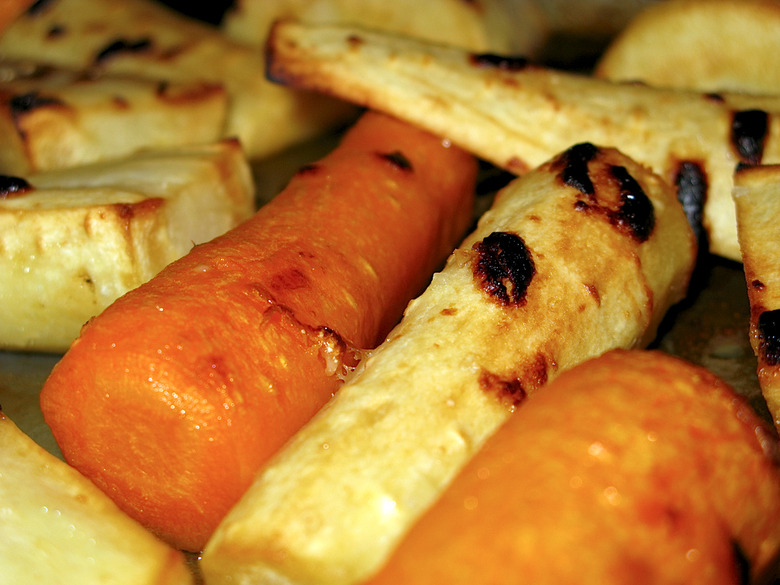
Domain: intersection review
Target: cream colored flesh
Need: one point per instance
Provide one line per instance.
(57, 527)
(336, 500)
(517, 116)
(81, 237)
(757, 199)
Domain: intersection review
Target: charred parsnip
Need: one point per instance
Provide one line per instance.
(580, 256)
(517, 115)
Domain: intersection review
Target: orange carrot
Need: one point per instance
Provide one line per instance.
(174, 396)
(635, 467)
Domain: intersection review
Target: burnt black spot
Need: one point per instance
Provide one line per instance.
(504, 267)
(398, 159)
(575, 167)
(122, 46)
(636, 212)
(757, 284)
(10, 186)
(715, 97)
(741, 564)
(502, 62)
(691, 183)
(29, 101)
(769, 336)
(748, 134)
(39, 7)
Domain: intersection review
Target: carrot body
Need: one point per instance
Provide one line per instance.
(631, 468)
(174, 396)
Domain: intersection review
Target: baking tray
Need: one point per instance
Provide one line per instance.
(709, 328)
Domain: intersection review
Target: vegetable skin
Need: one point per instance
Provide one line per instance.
(174, 396)
(635, 467)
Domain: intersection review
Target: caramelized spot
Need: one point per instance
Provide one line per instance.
(122, 46)
(398, 159)
(289, 280)
(636, 213)
(748, 135)
(509, 391)
(355, 42)
(121, 102)
(575, 167)
(758, 285)
(594, 292)
(714, 97)
(501, 62)
(449, 311)
(691, 183)
(55, 31)
(12, 186)
(504, 267)
(517, 165)
(769, 337)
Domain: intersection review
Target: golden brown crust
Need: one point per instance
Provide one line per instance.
(580, 256)
(142, 38)
(53, 118)
(709, 45)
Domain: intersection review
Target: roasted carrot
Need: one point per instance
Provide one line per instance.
(173, 397)
(634, 467)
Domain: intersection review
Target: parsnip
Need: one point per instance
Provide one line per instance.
(517, 115)
(53, 118)
(757, 199)
(580, 256)
(518, 26)
(73, 240)
(145, 39)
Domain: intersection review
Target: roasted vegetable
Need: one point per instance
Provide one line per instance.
(580, 256)
(72, 241)
(173, 397)
(517, 115)
(757, 199)
(635, 467)
(59, 528)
